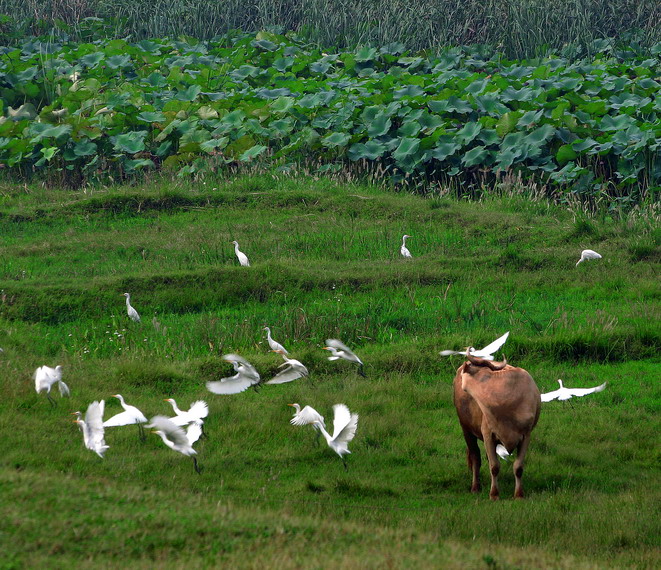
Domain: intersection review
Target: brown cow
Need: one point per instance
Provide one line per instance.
(496, 403)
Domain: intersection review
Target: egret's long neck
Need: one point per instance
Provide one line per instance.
(236, 247)
(128, 300)
(404, 241)
(560, 382)
(121, 400)
(176, 408)
(323, 430)
(166, 441)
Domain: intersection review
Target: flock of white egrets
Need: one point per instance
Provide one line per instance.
(171, 430)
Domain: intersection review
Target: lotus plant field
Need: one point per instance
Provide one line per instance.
(113, 108)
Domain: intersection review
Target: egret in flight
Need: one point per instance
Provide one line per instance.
(196, 413)
(176, 438)
(588, 254)
(92, 427)
(486, 352)
(133, 314)
(245, 376)
(563, 393)
(293, 369)
(275, 346)
(308, 415)
(405, 250)
(340, 350)
(130, 415)
(45, 377)
(344, 430)
(242, 257)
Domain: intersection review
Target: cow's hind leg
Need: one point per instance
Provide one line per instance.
(522, 448)
(474, 460)
(494, 464)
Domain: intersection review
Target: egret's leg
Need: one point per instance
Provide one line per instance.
(53, 403)
(346, 467)
(198, 469)
(204, 433)
(141, 432)
(361, 371)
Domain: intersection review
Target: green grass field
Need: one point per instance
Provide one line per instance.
(325, 263)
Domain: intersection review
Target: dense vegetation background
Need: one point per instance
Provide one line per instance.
(519, 28)
(130, 161)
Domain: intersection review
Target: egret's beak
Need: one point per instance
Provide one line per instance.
(292, 405)
(326, 347)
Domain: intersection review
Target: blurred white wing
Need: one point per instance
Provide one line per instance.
(231, 385)
(344, 425)
(173, 432)
(584, 391)
(121, 419)
(194, 432)
(306, 416)
(199, 409)
(337, 344)
(495, 345)
(290, 373)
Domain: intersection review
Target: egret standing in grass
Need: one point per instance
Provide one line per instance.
(242, 257)
(175, 437)
(92, 427)
(486, 353)
(45, 377)
(293, 369)
(246, 376)
(405, 250)
(340, 350)
(344, 430)
(563, 393)
(275, 346)
(133, 314)
(130, 415)
(588, 254)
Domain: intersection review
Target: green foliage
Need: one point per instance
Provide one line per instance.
(105, 110)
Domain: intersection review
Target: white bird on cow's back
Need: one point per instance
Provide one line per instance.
(242, 257)
(563, 393)
(292, 370)
(344, 430)
(588, 254)
(133, 314)
(405, 250)
(45, 377)
(340, 350)
(275, 346)
(487, 352)
(246, 376)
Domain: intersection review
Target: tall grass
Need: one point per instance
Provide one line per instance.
(521, 28)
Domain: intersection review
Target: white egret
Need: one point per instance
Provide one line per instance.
(308, 415)
(340, 350)
(344, 430)
(588, 254)
(242, 257)
(92, 427)
(305, 416)
(175, 437)
(405, 250)
(501, 450)
(133, 314)
(293, 370)
(245, 376)
(275, 346)
(563, 393)
(196, 413)
(486, 352)
(45, 377)
(130, 415)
